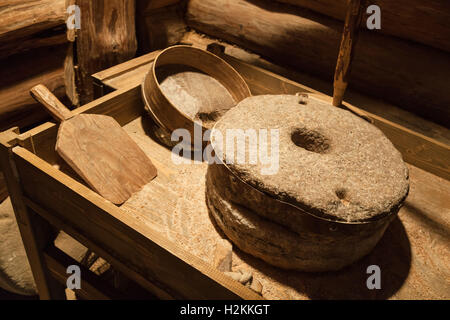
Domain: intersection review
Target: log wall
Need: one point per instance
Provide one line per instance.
(425, 22)
(412, 76)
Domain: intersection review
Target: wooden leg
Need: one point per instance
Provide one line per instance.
(36, 232)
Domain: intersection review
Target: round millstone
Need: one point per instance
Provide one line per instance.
(338, 182)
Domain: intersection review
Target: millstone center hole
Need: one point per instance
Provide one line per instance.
(310, 140)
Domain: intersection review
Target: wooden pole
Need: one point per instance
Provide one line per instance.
(349, 38)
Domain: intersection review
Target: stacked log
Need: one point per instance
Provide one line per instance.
(30, 24)
(32, 51)
(425, 22)
(35, 48)
(413, 76)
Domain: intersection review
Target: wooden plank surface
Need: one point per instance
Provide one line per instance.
(126, 239)
(98, 149)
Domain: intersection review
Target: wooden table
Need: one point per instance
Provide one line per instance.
(46, 194)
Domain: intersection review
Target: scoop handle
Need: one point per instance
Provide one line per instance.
(56, 109)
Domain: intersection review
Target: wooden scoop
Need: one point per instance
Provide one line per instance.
(99, 150)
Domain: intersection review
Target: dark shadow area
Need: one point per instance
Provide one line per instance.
(392, 254)
(163, 138)
(8, 296)
(154, 132)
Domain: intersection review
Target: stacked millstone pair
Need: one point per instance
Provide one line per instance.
(339, 183)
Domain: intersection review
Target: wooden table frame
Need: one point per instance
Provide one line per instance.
(44, 197)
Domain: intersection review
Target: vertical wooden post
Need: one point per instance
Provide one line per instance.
(107, 36)
(36, 233)
(346, 52)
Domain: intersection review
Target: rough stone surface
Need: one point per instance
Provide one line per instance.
(332, 163)
(339, 182)
(223, 255)
(256, 286)
(282, 247)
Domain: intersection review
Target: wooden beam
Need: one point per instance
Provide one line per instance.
(29, 24)
(346, 51)
(18, 74)
(160, 28)
(145, 6)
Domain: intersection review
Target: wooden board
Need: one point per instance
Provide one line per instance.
(30, 24)
(98, 149)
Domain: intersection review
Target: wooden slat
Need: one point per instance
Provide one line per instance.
(133, 244)
(130, 72)
(92, 287)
